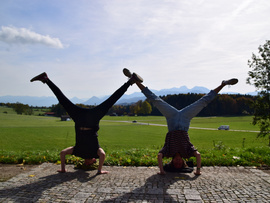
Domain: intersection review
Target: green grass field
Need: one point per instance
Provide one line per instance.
(29, 136)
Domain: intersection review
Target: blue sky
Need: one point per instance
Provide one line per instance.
(84, 45)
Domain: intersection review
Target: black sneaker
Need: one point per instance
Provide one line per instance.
(127, 72)
(41, 77)
(232, 81)
(134, 77)
(137, 77)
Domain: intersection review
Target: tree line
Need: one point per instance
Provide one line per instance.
(222, 105)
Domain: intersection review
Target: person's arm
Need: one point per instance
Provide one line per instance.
(198, 160)
(63, 154)
(160, 164)
(102, 157)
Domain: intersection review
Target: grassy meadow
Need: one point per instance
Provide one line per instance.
(36, 139)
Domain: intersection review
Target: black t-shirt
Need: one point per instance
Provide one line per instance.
(87, 144)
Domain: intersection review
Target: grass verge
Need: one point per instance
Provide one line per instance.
(217, 156)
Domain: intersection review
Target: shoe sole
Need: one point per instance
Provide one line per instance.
(36, 78)
(232, 81)
(127, 72)
(137, 77)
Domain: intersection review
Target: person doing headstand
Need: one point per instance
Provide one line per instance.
(177, 141)
(86, 122)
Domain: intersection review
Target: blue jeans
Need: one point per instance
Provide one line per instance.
(179, 119)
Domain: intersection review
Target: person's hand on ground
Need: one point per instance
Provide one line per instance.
(102, 172)
(161, 173)
(62, 171)
(197, 173)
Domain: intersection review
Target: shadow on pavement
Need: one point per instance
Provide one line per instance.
(32, 191)
(156, 187)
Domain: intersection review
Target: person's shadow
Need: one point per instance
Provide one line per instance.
(156, 187)
(31, 192)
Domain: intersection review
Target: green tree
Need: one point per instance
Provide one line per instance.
(138, 107)
(135, 108)
(20, 108)
(58, 109)
(243, 105)
(146, 108)
(259, 76)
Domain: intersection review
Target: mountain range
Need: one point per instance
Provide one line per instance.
(124, 100)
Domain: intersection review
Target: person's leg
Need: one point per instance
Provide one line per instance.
(104, 107)
(192, 110)
(63, 100)
(232, 81)
(166, 109)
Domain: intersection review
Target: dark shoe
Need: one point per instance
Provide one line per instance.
(232, 81)
(42, 77)
(135, 78)
(127, 72)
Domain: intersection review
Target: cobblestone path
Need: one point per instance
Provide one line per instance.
(137, 184)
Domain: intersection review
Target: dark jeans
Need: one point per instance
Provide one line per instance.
(87, 120)
(86, 117)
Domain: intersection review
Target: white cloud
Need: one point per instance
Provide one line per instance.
(13, 35)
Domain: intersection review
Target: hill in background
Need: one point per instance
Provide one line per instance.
(125, 99)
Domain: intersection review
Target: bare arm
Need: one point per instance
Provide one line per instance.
(160, 164)
(63, 154)
(198, 160)
(102, 157)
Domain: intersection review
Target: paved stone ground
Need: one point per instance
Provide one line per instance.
(137, 184)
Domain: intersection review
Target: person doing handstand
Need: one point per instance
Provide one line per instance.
(177, 142)
(86, 122)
